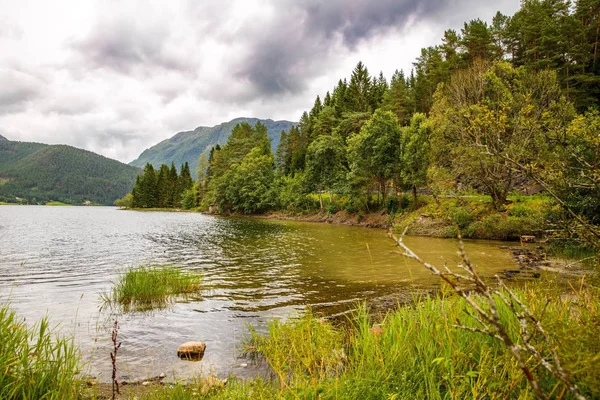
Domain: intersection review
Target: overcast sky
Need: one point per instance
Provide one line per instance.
(116, 77)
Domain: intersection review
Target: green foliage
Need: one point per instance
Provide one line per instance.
(34, 363)
(188, 146)
(165, 188)
(374, 153)
(486, 120)
(325, 164)
(417, 352)
(125, 202)
(242, 172)
(189, 198)
(62, 173)
(150, 287)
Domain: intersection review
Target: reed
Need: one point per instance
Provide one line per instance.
(148, 287)
(34, 362)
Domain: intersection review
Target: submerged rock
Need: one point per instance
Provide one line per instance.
(193, 351)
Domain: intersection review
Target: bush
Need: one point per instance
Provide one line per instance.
(331, 209)
(462, 216)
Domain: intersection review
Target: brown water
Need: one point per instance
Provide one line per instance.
(56, 260)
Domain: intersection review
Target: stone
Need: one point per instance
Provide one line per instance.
(192, 351)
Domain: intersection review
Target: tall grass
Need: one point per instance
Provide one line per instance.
(148, 287)
(418, 353)
(34, 363)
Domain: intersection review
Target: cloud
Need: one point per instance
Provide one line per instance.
(118, 77)
(18, 89)
(124, 44)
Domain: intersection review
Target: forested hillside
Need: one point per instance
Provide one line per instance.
(37, 173)
(3, 138)
(187, 146)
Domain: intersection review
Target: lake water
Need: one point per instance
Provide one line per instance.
(55, 261)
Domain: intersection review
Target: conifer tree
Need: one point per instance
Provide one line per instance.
(359, 92)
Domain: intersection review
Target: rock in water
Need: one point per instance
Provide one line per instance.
(193, 351)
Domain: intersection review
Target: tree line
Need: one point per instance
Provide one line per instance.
(488, 108)
(162, 188)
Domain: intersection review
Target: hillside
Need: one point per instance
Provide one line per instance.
(187, 146)
(40, 172)
(3, 138)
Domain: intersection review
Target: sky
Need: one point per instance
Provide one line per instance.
(117, 77)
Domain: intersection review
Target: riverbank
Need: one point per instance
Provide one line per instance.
(416, 351)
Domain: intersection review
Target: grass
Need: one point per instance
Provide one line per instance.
(34, 363)
(148, 287)
(415, 353)
(57, 203)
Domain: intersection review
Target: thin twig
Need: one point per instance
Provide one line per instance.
(490, 321)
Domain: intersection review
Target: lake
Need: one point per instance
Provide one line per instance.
(56, 261)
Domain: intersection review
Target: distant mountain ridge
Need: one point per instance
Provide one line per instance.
(58, 172)
(187, 146)
(3, 138)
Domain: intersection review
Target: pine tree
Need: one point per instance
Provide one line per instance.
(163, 186)
(172, 195)
(359, 92)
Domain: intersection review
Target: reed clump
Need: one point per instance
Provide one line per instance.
(148, 287)
(35, 363)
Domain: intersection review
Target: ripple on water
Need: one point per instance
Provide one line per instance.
(56, 260)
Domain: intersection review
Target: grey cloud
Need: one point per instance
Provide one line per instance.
(122, 45)
(298, 45)
(18, 89)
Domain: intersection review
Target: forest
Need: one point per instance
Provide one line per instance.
(36, 173)
(502, 109)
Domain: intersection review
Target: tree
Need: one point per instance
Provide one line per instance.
(247, 185)
(173, 193)
(146, 190)
(374, 153)
(415, 153)
(202, 177)
(281, 155)
(359, 92)
(325, 168)
(398, 98)
(487, 115)
(163, 186)
(325, 122)
(125, 202)
(233, 185)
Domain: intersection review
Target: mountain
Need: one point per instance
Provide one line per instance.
(40, 172)
(187, 146)
(2, 138)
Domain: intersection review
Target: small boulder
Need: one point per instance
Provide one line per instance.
(193, 351)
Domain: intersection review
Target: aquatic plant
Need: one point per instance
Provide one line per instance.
(148, 287)
(35, 363)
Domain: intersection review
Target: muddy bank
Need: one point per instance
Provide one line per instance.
(367, 220)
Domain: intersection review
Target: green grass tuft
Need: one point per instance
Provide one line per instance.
(34, 364)
(150, 287)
